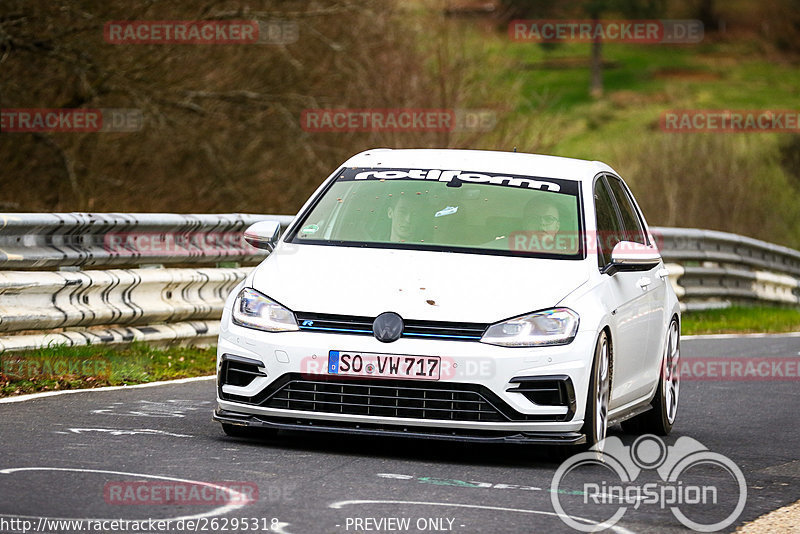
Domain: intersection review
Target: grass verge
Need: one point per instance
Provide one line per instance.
(60, 368)
(741, 319)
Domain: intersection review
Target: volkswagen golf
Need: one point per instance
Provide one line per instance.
(455, 294)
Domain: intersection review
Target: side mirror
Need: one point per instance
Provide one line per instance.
(632, 256)
(263, 234)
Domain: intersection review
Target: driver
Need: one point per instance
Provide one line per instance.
(407, 215)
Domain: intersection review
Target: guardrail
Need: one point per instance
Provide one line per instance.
(90, 299)
(711, 269)
(82, 278)
(58, 240)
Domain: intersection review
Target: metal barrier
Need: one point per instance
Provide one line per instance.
(58, 240)
(711, 269)
(104, 303)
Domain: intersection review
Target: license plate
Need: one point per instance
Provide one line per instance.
(383, 365)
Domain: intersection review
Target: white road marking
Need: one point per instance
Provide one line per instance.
(280, 528)
(221, 510)
(145, 408)
(459, 483)
(126, 432)
(341, 504)
(31, 396)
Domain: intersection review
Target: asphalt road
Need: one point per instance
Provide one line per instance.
(65, 456)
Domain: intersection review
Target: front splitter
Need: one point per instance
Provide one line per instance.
(404, 431)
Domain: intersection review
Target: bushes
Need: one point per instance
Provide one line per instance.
(222, 122)
(730, 182)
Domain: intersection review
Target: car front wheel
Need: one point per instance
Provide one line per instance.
(661, 417)
(596, 418)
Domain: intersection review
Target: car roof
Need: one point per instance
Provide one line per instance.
(480, 161)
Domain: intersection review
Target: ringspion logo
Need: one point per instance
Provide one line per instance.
(616, 478)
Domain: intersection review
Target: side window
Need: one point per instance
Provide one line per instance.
(608, 227)
(631, 226)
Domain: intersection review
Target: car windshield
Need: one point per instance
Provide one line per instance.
(447, 210)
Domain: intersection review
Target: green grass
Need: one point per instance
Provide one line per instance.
(59, 368)
(551, 85)
(542, 100)
(740, 319)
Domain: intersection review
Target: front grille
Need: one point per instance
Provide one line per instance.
(444, 330)
(388, 398)
(347, 324)
(384, 401)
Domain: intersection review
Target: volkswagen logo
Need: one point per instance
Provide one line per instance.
(388, 327)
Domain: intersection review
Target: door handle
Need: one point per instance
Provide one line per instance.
(643, 282)
(663, 273)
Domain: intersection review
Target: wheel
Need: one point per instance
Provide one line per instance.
(596, 418)
(660, 419)
(239, 431)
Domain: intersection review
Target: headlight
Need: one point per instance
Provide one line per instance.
(254, 310)
(550, 327)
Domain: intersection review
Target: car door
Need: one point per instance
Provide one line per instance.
(627, 301)
(651, 285)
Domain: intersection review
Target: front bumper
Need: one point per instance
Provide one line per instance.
(480, 367)
(394, 430)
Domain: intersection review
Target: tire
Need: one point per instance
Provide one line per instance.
(660, 419)
(596, 417)
(239, 431)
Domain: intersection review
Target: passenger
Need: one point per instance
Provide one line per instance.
(539, 215)
(541, 223)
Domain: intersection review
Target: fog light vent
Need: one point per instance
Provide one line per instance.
(238, 370)
(553, 390)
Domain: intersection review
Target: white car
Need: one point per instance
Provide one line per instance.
(455, 294)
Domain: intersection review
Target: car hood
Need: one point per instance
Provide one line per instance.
(421, 285)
